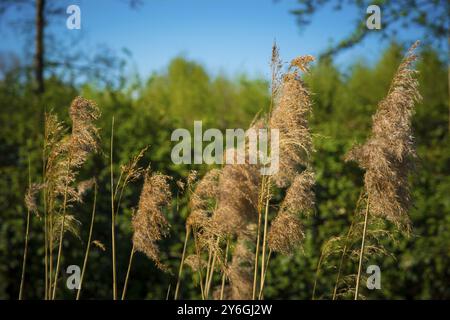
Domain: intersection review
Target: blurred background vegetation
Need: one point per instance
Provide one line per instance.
(147, 111)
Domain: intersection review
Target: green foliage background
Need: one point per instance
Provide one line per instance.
(147, 112)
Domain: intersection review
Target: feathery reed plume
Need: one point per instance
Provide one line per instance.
(85, 186)
(202, 203)
(203, 199)
(82, 141)
(388, 155)
(63, 156)
(286, 231)
(238, 201)
(129, 172)
(238, 198)
(290, 117)
(276, 75)
(149, 222)
(300, 195)
(85, 136)
(195, 262)
(31, 197)
(241, 270)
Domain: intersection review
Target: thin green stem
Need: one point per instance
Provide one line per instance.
(258, 236)
(46, 237)
(27, 231)
(344, 251)
(168, 291)
(180, 270)
(211, 271)
(319, 264)
(61, 233)
(222, 287)
(88, 246)
(124, 291)
(200, 267)
(266, 218)
(113, 218)
(208, 267)
(361, 254)
(261, 290)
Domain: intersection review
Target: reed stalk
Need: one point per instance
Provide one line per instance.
(361, 254)
(319, 264)
(200, 273)
(124, 291)
(258, 236)
(222, 287)
(88, 246)
(261, 290)
(266, 218)
(113, 218)
(61, 234)
(46, 257)
(168, 291)
(211, 271)
(208, 268)
(344, 251)
(180, 270)
(27, 231)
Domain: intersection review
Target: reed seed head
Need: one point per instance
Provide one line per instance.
(149, 223)
(286, 233)
(290, 117)
(389, 153)
(31, 198)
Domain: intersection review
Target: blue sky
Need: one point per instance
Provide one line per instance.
(227, 36)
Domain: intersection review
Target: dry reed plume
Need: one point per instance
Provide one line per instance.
(290, 116)
(149, 223)
(240, 270)
(388, 155)
(63, 156)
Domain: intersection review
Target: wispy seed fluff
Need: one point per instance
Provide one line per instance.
(290, 117)
(85, 137)
(239, 187)
(203, 199)
(286, 231)
(240, 271)
(202, 205)
(149, 223)
(66, 154)
(31, 198)
(388, 155)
